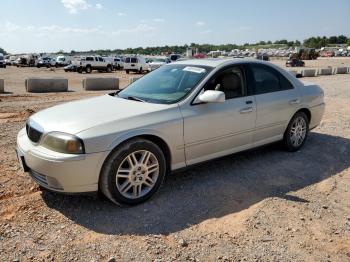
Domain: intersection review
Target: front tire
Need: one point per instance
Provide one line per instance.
(133, 172)
(296, 132)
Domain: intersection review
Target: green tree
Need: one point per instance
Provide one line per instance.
(2, 51)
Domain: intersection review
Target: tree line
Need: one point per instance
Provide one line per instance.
(312, 42)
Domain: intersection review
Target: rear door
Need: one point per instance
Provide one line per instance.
(133, 63)
(101, 62)
(276, 101)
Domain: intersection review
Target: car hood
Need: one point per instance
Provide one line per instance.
(77, 116)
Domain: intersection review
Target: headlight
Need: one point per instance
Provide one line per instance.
(63, 143)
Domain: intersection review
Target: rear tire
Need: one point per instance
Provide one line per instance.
(133, 172)
(296, 132)
(127, 71)
(88, 70)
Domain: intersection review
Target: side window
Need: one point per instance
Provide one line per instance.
(100, 59)
(285, 84)
(267, 80)
(230, 81)
(89, 58)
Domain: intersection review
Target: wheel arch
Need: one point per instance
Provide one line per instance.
(155, 138)
(306, 111)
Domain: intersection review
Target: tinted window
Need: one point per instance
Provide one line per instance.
(284, 82)
(133, 60)
(89, 58)
(268, 80)
(100, 59)
(127, 60)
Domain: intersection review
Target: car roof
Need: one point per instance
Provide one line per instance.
(215, 62)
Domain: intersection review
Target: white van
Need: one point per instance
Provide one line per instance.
(135, 64)
(62, 60)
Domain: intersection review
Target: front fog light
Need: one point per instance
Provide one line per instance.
(63, 143)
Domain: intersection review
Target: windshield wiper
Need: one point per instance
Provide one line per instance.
(135, 98)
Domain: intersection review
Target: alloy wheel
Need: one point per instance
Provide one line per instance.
(298, 131)
(137, 174)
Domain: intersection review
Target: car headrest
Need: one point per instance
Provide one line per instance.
(231, 81)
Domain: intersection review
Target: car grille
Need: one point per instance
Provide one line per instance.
(33, 134)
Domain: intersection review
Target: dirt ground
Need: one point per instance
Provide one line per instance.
(261, 205)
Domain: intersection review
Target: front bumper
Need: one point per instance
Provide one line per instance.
(60, 172)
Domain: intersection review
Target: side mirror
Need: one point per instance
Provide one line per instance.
(212, 96)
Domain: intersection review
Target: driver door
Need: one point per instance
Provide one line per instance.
(216, 129)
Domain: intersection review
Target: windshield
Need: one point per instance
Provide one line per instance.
(158, 60)
(166, 85)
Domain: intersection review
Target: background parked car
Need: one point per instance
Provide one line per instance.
(89, 63)
(157, 62)
(295, 62)
(62, 60)
(70, 68)
(29, 60)
(118, 63)
(174, 57)
(263, 57)
(135, 64)
(45, 62)
(2, 61)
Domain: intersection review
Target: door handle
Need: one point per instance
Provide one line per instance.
(294, 101)
(246, 110)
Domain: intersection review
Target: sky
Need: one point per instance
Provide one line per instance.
(82, 25)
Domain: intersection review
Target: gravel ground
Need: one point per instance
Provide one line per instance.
(260, 205)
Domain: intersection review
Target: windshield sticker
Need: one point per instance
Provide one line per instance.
(192, 69)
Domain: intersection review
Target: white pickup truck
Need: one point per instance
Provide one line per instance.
(89, 63)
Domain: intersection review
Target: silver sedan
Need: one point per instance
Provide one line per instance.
(181, 114)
